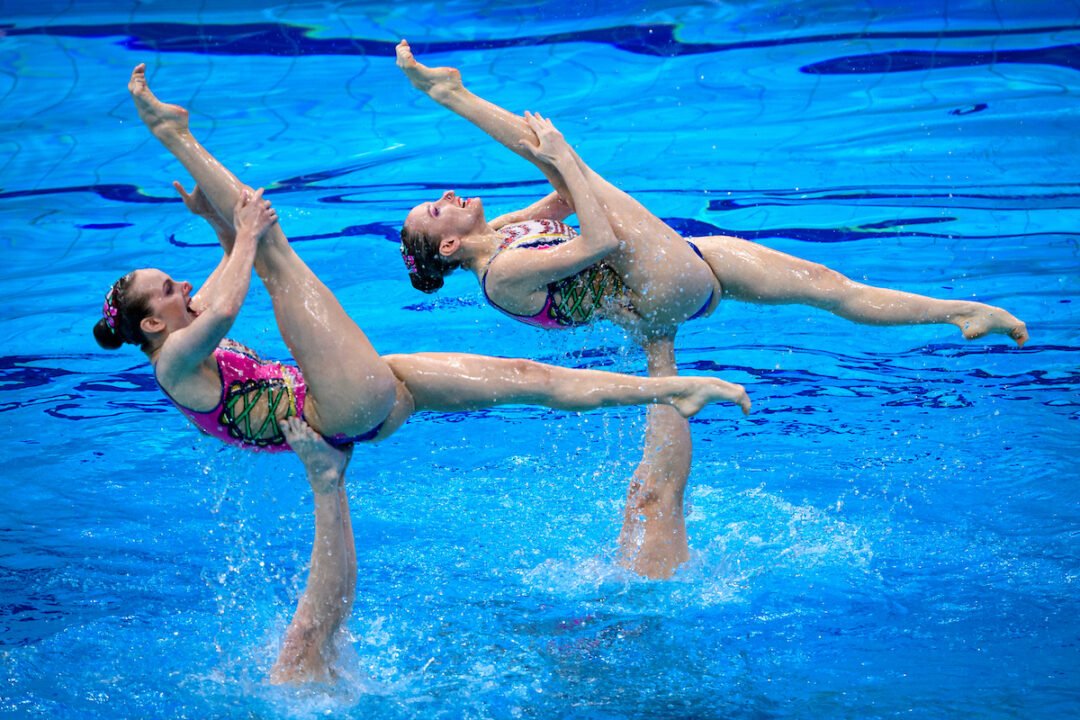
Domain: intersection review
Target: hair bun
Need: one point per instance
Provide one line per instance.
(106, 336)
(425, 283)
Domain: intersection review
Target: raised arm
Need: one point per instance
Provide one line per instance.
(186, 348)
(552, 207)
(200, 206)
(597, 239)
(307, 653)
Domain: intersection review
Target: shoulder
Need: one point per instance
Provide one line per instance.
(189, 385)
(176, 363)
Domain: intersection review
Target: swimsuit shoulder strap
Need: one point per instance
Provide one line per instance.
(510, 235)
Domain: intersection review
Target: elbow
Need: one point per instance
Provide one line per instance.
(229, 309)
(609, 242)
(222, 313)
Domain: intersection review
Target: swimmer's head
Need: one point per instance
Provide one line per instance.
(428, 238)
(140, 305)
(426, 266)
(121, 315)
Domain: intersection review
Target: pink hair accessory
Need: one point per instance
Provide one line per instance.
(410, 261)
(108, 309)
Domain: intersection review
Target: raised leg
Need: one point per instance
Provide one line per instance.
(307, 652)
(754, 273)
(653, 539)
(668, 280)
(444, 86)
(455, 382)
(350, 388)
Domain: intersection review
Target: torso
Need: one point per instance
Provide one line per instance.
(255, 395)
(570, 302)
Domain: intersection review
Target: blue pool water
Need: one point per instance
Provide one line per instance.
(893, 532)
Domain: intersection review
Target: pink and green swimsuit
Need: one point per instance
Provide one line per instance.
(247, 379)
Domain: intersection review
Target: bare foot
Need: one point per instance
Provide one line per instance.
(325, 464)
(705, 390)
(985, 319)
(161, 118)
(436, 82)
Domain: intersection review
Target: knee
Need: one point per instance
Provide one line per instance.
(653, 499)
(832, 288)
(531, 373)
(643, 499)
(823, 276)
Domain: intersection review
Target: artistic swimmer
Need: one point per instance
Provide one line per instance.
(341, 386)
(628, 266)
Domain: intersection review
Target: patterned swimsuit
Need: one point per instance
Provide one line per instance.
(570, 302)
(256, 394)
(575, 300)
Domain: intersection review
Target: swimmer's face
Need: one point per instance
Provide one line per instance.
(449, 216)
(168, 299)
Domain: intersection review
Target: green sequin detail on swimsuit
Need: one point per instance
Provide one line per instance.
(581, 296)
(242, 398)
(571, 301)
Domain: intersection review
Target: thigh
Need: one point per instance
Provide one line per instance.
(456, 382)
(667, 280)
(350, 387)
(754, 273)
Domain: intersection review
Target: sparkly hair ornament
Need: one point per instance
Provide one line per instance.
(410, 260)
(109, 310)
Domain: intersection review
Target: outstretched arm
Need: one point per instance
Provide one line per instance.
(187, 347)
(308, 649)
(552, 207)
(200, 206)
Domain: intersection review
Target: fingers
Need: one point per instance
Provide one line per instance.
(529, 147)
(263, 203)
(537, 121)
(184, 194)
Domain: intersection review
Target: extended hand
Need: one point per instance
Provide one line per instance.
(551, 145)
(196, 201)
(253, 214)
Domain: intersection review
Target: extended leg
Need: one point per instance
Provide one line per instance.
(653, 539)
(455, 382)
(669, 281)
(308, 649)
(443, 85)
(754, 273)
(350, 388)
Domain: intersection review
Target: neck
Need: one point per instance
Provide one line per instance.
(152, 354)
(154, 348)
(481, 248)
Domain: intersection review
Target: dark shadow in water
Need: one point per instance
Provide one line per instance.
(284, 40)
